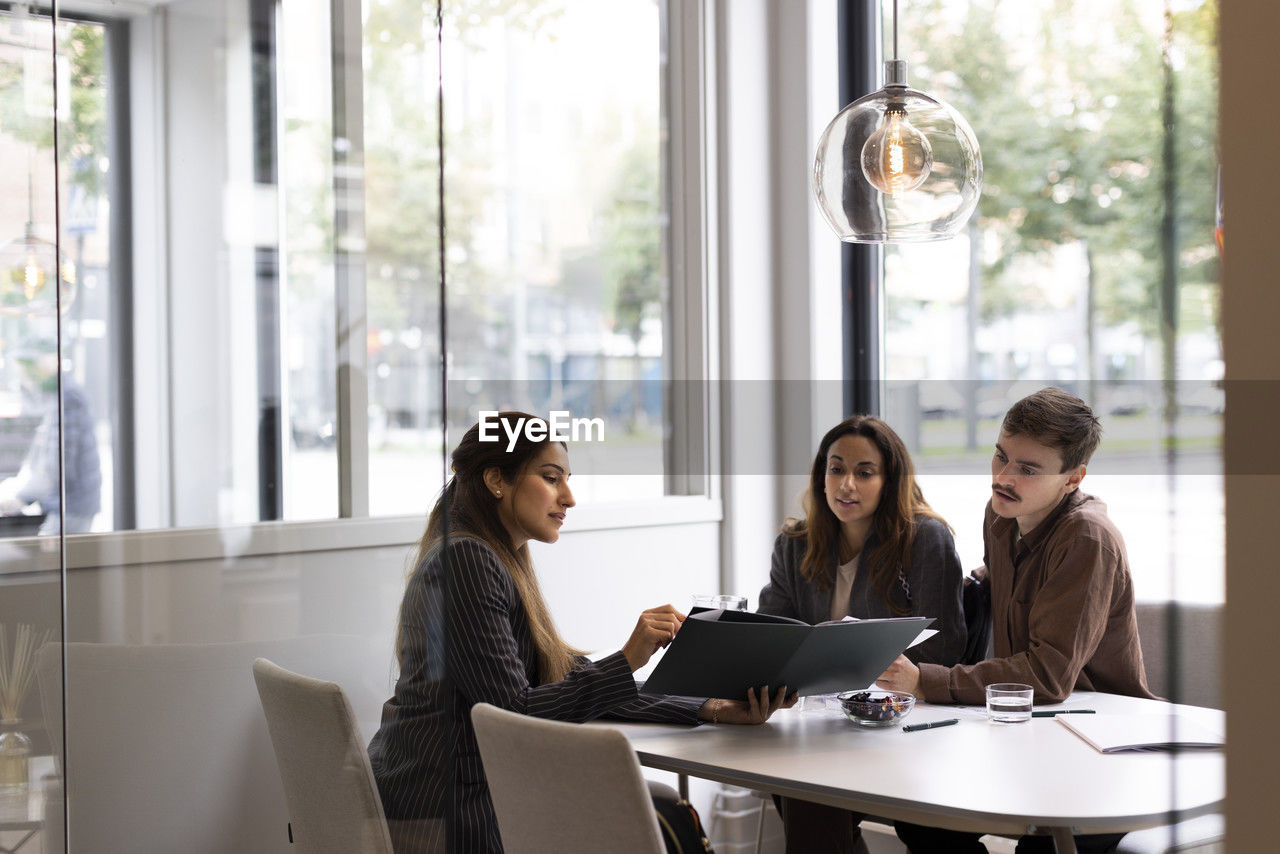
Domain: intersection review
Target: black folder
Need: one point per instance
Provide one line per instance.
(725, 653)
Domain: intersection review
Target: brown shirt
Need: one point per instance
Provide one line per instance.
(1061, 611)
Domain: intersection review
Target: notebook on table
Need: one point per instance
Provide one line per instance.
(1163, 732)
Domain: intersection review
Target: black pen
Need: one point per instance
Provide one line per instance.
(1048, 713)
(916, 727)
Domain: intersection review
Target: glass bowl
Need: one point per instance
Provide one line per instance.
(876, 708)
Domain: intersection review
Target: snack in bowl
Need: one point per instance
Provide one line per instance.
(876, 708)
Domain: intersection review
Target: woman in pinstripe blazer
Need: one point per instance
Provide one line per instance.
(474, 628)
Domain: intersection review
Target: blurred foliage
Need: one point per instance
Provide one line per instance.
(633, 242)
(620, 273)
(83, 133)
(1066, 107)
(401, 169)
(402, 166)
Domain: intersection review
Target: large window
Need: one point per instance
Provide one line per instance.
(556, 258)
(1091, 264)
(252, 236)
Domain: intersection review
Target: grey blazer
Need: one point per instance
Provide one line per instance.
(933, 585)
(477, 649)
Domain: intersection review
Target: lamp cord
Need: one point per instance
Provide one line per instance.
(31, 196)
(895, 30)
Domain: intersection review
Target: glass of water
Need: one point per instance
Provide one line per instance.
(1009, 702)
(721, 601)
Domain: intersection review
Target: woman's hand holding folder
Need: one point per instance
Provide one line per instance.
(756, 709)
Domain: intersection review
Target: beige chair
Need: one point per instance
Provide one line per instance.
(334, 807)
(1186, 668)
(166, 748)
(561, 787)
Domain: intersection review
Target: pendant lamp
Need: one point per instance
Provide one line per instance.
(27, 267)
(898, 165)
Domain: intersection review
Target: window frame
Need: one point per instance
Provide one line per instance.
(861, 264)
(691, 331)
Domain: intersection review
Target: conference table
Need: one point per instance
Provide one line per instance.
(1010, 779)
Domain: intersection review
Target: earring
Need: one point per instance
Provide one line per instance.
(498, 494)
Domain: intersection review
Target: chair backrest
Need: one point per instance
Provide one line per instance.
(334, 807)
(166, 747)
(1189, 670)
(560, 787)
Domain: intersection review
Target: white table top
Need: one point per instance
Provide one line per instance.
(976, 775)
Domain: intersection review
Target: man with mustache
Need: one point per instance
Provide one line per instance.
(1061, 594)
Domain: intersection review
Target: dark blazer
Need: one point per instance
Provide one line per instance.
(929, 587)
(477, 649)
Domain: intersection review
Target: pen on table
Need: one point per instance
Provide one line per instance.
(1048, 713)
(931, 725)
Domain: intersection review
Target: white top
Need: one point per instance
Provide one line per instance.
(844, 586)
(975, 775)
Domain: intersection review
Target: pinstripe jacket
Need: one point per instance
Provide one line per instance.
(469, 647)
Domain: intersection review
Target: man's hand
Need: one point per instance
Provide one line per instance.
(902, 675)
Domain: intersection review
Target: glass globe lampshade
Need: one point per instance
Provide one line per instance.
(27, 269)
(897, 166)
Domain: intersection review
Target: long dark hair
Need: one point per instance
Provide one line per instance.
(466, 507)
(893, 525)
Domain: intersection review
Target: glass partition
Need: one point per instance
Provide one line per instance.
(259, 260)
(229, 293)
(43, 294)
(1091, 264)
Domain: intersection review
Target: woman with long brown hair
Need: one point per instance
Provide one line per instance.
(869, 546)
(474, 627)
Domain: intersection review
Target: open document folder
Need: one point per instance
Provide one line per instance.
(725, 653)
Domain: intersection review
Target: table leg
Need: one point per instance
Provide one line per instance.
(1063, 841)
(682, 782)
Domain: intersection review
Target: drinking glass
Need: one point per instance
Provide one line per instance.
(1009, 702)
(721, 601)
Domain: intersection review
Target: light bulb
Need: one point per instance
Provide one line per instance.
(32, 277)
(897, 157)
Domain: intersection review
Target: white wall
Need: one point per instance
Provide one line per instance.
(254, 590)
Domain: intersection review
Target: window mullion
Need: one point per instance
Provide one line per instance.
(348, 256)
(688, 241)
(862, 267)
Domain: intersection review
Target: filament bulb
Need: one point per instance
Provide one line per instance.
(897, 157)
(32, 277)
